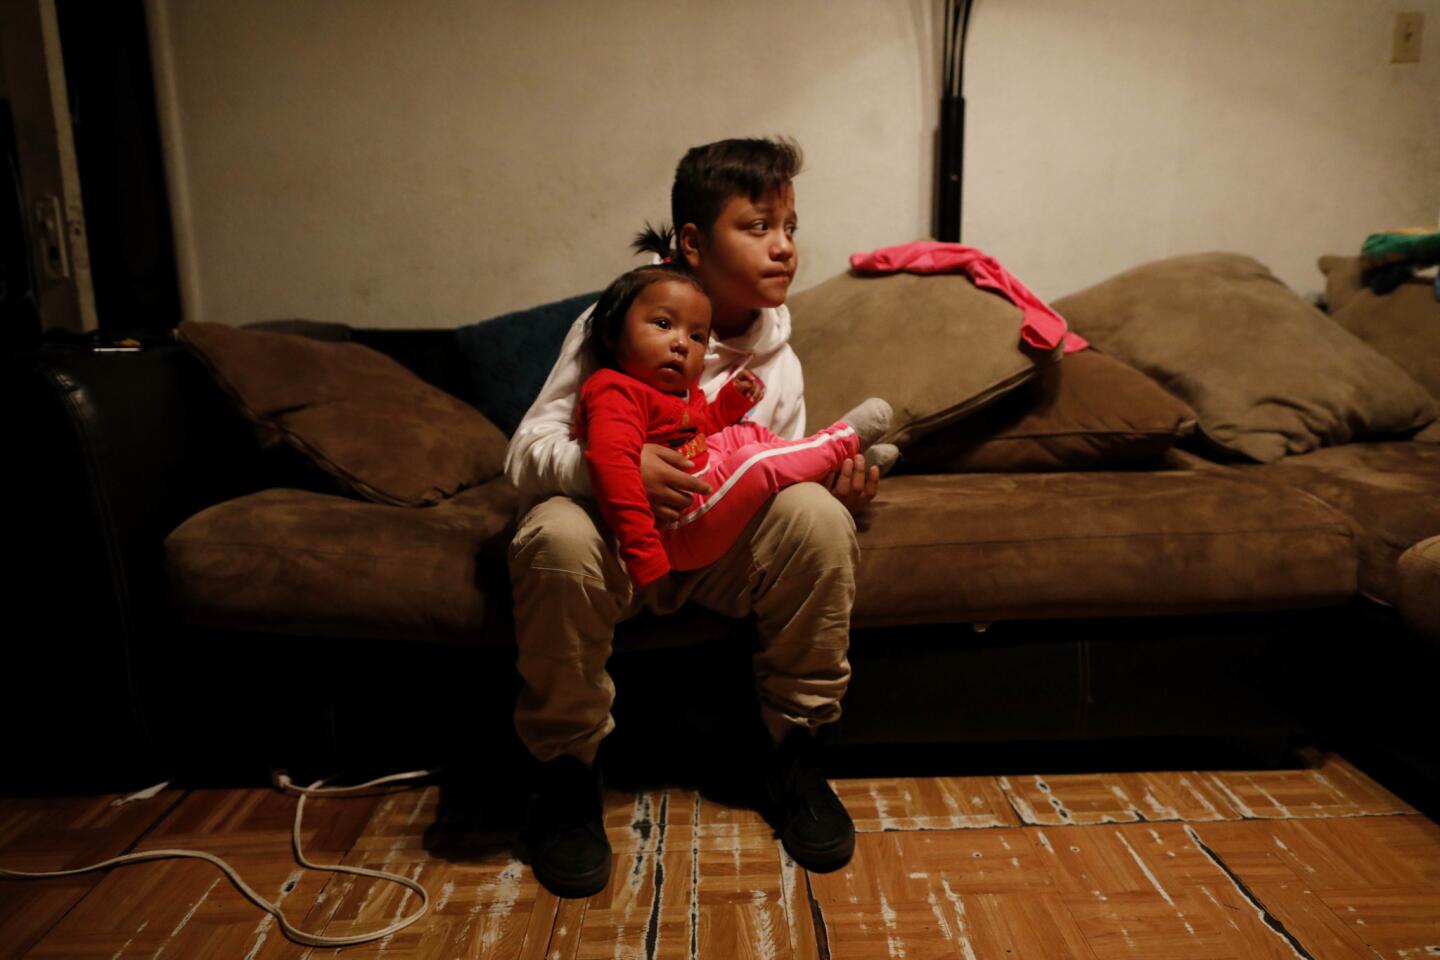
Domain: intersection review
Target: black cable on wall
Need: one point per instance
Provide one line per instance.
(950, 175)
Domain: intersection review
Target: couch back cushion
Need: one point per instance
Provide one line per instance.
(1089, 412)
(510, 356)
(1268, 374)
(1403, 324)
(377, 428)
(1344, 278)
(935, 347)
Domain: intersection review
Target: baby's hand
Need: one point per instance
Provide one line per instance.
(750, 385)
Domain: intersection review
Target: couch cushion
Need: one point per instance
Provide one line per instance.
(1344, 278)
(934, 346)
(510, 356)
(366, 420)
(981, 547)
(293, 561)
(1419, 589)
(1268, 374)
(312, 564)
(1087, 412)
(1403, 324)
(1391, 491)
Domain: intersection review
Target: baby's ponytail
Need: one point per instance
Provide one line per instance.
(657, 240)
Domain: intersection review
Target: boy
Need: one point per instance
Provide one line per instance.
(733, 207)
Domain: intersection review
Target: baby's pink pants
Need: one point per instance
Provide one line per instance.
(748, 465)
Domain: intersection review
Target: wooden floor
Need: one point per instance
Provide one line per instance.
(1318, 862)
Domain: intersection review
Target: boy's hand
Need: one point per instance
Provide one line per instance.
(750, 385)
(853, 485)
(667, 485)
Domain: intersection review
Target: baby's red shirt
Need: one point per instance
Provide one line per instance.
(617, 415)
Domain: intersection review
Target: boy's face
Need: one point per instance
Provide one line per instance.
(749, 258)
(664, 337)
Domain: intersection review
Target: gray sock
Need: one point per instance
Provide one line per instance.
(871, 420)
(882, 455)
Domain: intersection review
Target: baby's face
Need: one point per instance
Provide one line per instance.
(666, 332)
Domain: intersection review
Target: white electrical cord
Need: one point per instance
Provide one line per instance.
(284, 782)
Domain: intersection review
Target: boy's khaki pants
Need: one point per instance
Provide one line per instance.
(793, 568)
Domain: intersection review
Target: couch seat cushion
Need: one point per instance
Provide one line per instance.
(1419, 589)
(1391, 491)
(298, 562)
(982, 547)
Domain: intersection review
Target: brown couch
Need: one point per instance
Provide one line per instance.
(1167, 597)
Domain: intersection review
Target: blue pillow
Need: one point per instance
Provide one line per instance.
(510, 356)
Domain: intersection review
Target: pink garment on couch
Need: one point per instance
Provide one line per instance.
(1040, 326)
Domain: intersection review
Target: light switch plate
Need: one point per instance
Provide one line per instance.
(1409, 31)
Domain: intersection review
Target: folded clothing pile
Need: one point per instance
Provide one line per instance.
(1392, 257)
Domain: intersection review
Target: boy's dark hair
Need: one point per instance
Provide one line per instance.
(608, 318)
(707, 177)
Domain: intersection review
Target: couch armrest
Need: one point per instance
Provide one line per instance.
(113, 451)
(120, 448)
(127, 445)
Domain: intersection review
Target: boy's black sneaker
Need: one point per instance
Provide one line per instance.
(813, 825)
(565, 833)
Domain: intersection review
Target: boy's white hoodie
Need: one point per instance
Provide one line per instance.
(545, 458)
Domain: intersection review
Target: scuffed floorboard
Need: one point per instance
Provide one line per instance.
(1317, 863)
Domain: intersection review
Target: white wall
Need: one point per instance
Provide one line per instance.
(1106, 133)
(433, 162)
(429, 163)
